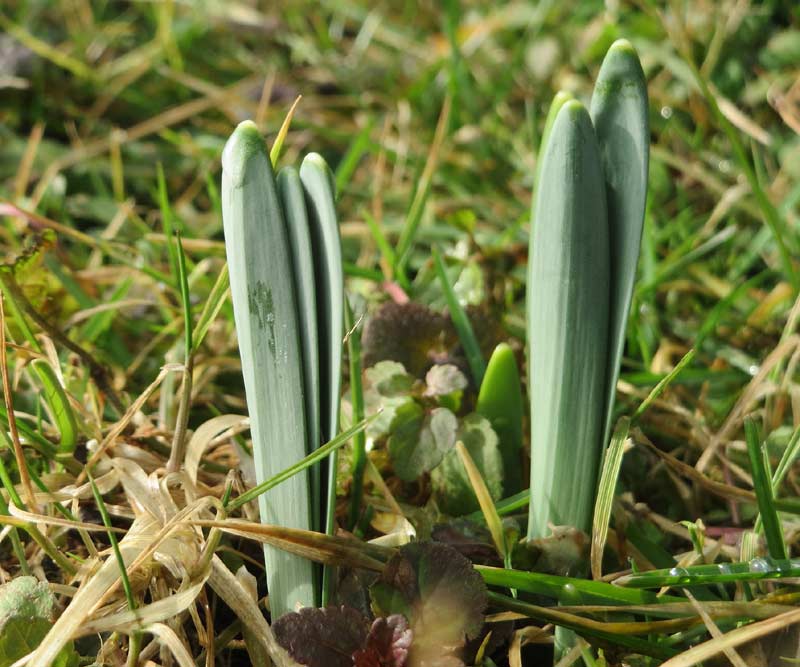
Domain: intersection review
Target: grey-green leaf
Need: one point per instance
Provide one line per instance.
(443, 379)
(419, 441)
(389, 378)
(290, 191)
(619, 112)
(567, 318)
(318, 184)
(27, 597)
(452, 488)
(317, 181)
(265, 310)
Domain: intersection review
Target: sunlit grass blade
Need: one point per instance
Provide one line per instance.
(417, 208)
(787, 459)
(463, 327)
(57, 400)
(290, 191)
(553, 586)
(386, 250)
(656, 391)
(318, 184)
(762, 484)
(358, 147)
(500, 401)
(756, 569)
(490, 514)
(567, 316)
(212, 306)
(277, 145)
(612, 461)
(262, 290)
(506, 506)
(178, 452)
(314, 457)
(620, 633)
(359, 453)
(619, 111)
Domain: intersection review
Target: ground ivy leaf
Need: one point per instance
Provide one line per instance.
(389, 378)
(382, 424)
(409, 333)
(327, 637)
(420, 440)
(387, 644)
(451, 486)
(440, 593)
(22, 635)
(26, 597)
(444, 379)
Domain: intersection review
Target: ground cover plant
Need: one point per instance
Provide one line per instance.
(177, 319)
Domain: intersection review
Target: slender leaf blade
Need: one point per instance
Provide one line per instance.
(290, 191)
(265, 312)
(318, 183)
(567, 319)
(58, 402)
(619, 111)
(763, 488)
(463, 327)
(605, 494)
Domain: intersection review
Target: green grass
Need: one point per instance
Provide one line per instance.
(112, 122)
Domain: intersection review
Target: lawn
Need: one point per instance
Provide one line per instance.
(137, 506)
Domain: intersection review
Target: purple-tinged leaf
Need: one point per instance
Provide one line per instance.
(387, 644)
(325, 637)
(440, 593)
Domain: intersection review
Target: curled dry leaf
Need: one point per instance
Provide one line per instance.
(203, 437)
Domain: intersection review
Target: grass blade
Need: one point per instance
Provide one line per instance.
(762, 485)
(490, 514)
(277, 145)
(309, 460)
(359, 456)
(461, 323)
(500, 401)
(619, 112)
(553, 586)
(567, 323)
(57, 400)
(417, 207)
(265, 312)
(214, 302)
(757, 569)
(605, 494)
